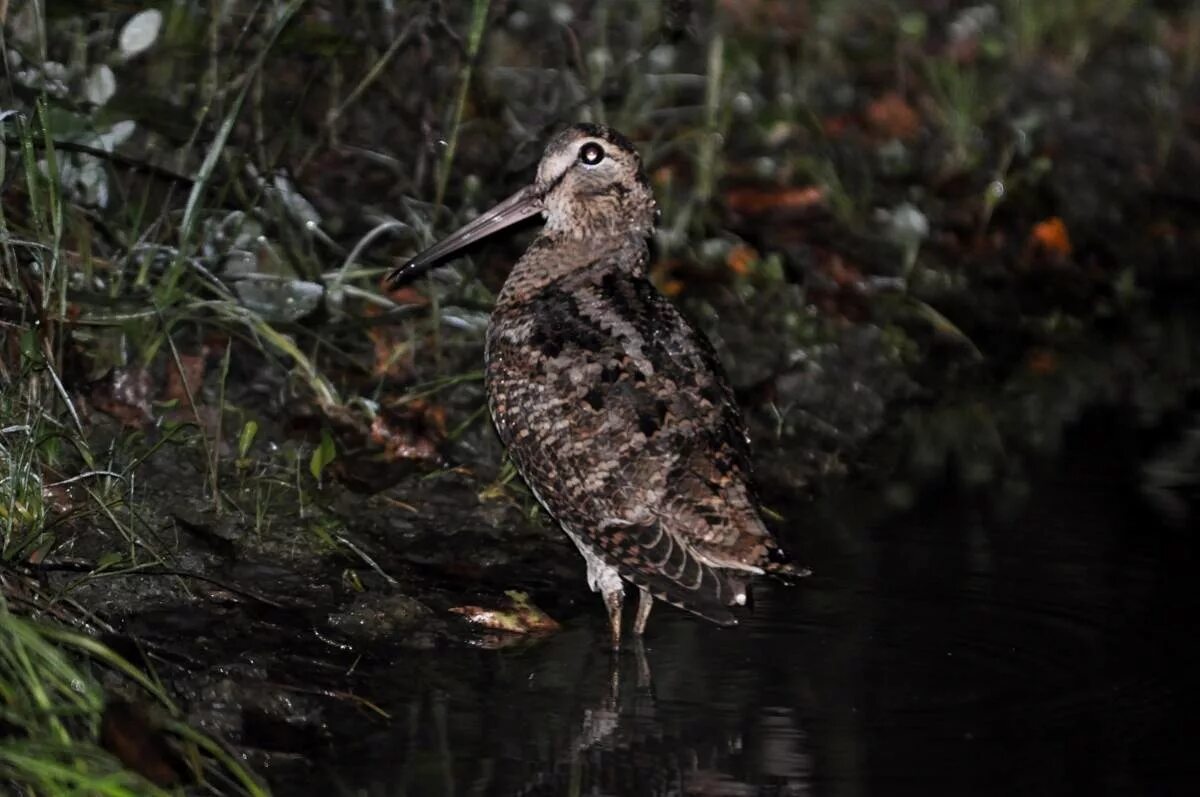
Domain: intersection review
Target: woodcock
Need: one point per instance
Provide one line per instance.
(615, 410)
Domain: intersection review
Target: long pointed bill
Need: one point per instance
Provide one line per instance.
(521, 205)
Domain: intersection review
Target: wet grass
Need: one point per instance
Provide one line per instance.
(64, 732)
(914, 206)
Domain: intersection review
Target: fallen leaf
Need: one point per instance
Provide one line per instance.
(843, 274)
(740, 259)
(393, 349)
(127, 732)
(125, 395)
(519, 616)
(433, 415)
(662, 274)
(1050, 236)
(58, 499)
(759, 201)
(410, 431)
(892, 116)
(193, 368)
(672, 287)
(1042, 362)
(406, 295)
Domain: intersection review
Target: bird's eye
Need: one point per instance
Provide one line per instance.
(591, 153)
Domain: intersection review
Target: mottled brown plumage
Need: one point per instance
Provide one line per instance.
(616, 410)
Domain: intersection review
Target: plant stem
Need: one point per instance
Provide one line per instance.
(479, 12)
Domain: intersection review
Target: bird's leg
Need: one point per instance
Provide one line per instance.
(614, 681)
(613, 600)
(645, 604)
(643, 664)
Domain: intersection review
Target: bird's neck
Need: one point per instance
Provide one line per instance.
(609, 211)
(555, 255)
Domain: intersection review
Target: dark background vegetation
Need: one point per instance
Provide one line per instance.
(927, 239)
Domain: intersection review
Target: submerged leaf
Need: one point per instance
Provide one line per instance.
(518, 617)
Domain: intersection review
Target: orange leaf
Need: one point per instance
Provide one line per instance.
(432, 414)
(406, 294)
(393, 350)
(411, 431)
(740, 259)
(892, 116)
(842, 273)
(1051, 237)
(756, 201)
(662, 273)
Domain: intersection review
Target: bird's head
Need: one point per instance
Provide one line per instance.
(590, 183)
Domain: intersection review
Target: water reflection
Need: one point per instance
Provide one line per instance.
(631, 741)
(946, 653)
(569, 718)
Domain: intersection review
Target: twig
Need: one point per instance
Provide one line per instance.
(114, 157)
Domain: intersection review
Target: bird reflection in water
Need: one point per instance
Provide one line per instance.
(626, 740)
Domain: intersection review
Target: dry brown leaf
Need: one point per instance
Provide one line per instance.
(759, 201)
(892, 116)
(409, 432)
(662, 274)
(1042, 362)
(406, 295)
(194, 366)
(663, 174)
(845, 275)
(393, 350)
(125, 395)
(127, 732)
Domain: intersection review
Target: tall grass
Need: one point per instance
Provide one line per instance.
(52, 707)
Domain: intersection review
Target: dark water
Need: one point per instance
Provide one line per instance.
(945, 652)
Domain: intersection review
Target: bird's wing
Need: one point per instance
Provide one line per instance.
(620, 417)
